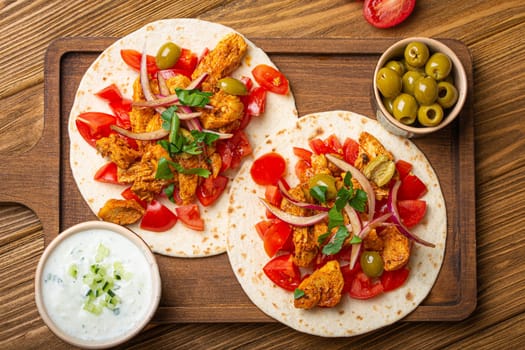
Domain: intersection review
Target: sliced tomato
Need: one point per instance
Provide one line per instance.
(107, 173)
(262, 226)
(277, 237)
(301, 167)
(210, 189)
(187, 60)
(403, 168)
(129, 194)
(319, 146)
(190, 216)
(411, 211)
(349, 275)
(363, 287)
(273, 195)
(334, 144)
(387, 13)
(158, 217)
(133, 58)
(119, 105)
(411, 188)
(255, 101)
(268, 169)
(283, 272)
(394, 279)
(271, 79)
(93, 126)
(233, 150)
(350, 150)
(302, 153)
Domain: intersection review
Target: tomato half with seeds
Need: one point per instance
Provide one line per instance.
(158, 217)
(283, 272)
(387, 13)
(210, 189)
(190, 216)
(268, 169)
(271, 79)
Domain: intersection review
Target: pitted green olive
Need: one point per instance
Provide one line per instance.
(430, 115)
(396, 66)
(416, 54)
(425, 90)
(438, 66)
(405, 108)
(447, 94)
(388, 82)
(409, 81)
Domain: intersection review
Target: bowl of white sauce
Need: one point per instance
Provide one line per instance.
(97, 285)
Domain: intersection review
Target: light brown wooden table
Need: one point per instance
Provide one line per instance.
(494, 32)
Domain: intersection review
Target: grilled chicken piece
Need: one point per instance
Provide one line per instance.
(396, 251)
(220, 62)
(226, 115)
(188, 182)
(369, 148)
(117, 149)
(121, 211)
(322, 288)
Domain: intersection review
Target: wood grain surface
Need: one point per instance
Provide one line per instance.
(494, 33)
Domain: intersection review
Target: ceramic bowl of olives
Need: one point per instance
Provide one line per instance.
(419, 87)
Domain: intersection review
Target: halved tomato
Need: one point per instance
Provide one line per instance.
(268, 169)
(387, 13)
(158, 218)
(283, 272)
(190, 216)
(271, 79)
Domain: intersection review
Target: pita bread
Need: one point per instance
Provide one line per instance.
(350, 317)
(108, 68)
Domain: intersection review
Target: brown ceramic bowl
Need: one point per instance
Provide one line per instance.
(62, 289)
(460, 81)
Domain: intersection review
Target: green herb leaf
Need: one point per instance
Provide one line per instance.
(355, 240)
(335, 246)
(319, 193)
(298, 293)
(359, 200)
(322, 238)
(169, 191)
(193, 98)
(173, 136)
(163, 170)
(166, 117)
(335, 218)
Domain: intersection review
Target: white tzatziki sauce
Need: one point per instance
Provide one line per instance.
(66, 287)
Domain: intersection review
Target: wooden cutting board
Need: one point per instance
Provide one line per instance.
(325, 74)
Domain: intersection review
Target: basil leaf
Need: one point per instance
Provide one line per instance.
(323, 237)
(335, 218)
(163, 169)
(355, 240)
(298, 293)
(191, 171)
(193, 98)
(358, 202)
(319, 193)
(204, 137)
(335, 246)
(174, 129)
(166, 117)
(169, 191)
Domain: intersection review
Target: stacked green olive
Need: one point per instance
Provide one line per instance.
(418, 88)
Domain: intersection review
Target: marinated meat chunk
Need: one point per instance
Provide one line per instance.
(322, 288)
(121, 211)
(178, 81)
(396, 251)
(220, 62)
(226, 115)
(188, 182)
(369, 148)
(117, 150)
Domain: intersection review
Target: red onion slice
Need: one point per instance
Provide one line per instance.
(361, 178)
(157, 102)
(392, 206)
(143, 136)
(301, 221)
(305, 205)
(144, 80)
(196, 83)
(356, 226)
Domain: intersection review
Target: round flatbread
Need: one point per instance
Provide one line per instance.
(109, 68)
(351, 316)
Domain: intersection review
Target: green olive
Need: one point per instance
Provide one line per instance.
(372, 263)
(396, 66)
(438, 66)
(447, 94)
(388, 82)
(167, 55)
(425, 90)
(430, 115)
(387, 102)
(409, 81)
(416, 54)
(324, 180)
(405, 108)
(232, 86)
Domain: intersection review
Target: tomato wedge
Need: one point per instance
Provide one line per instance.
(129, 194)
(133, 57)
(403, 168)
(411, 188)
(187, 61)
(271, 79)
(350, 150)
(282, 271)
(119, 105)
(387, 13)
(93, 126)
(273, 194)
(411, 211)
(268, 169)
(255, 102)
(107, 173)
(210, 189)
(363, 287)
(190, 216)
(158, 218)
(394, 279)
(233, 150)
(277, 237)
